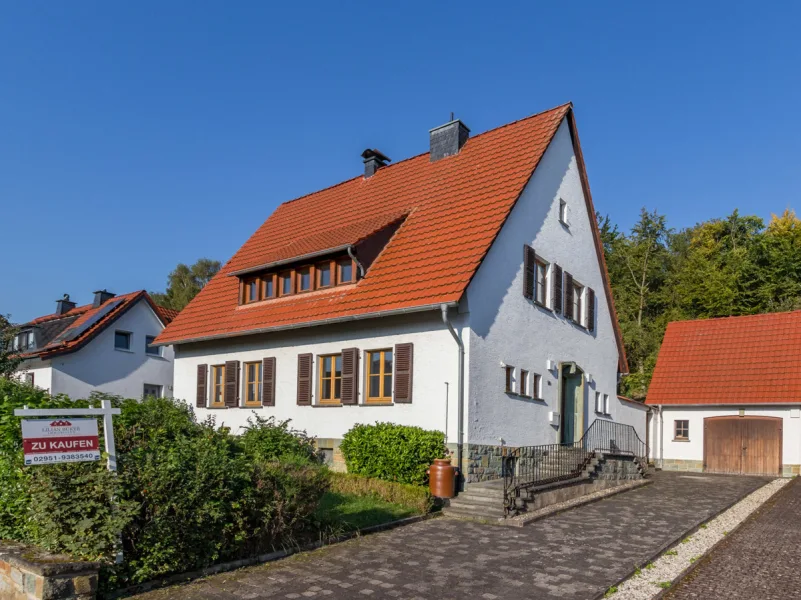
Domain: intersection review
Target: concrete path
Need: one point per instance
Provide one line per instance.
(575, 554)
(761, 559)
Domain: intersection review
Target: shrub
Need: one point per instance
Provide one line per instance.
(415, 497)
(392, 452)
(268, 439)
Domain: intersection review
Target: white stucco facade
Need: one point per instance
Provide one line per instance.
(98, 366)
(664, 448)
(495, 321)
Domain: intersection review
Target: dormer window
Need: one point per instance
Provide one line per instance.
(24, 341)
(303, 278)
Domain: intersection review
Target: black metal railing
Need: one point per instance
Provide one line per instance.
(531, 466)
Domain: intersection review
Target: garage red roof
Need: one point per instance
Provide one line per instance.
(734, 360)
(451, 211)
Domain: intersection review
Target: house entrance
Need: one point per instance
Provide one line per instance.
(571, 380)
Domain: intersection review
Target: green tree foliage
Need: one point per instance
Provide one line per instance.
(718, 268)
(8, 360)
(185, 282)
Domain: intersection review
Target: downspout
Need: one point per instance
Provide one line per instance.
(661, 439)
(356, 260)
(460, 394)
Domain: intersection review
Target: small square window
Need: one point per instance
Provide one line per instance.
(324, 275)
(122, 340)
(524, 383)
(304, 279)
(345, 269)
(152, 389)
(149, 348)
(682, 430)
(29, 379)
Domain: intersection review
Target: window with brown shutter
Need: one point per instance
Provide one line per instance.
(202, 377)
(304, 379)
(217, 386)
(253, 384)
(404, 365)
(231, 397)
(350, 376)
(268, 384)
(529, 262)
(556, 301)
(569, 291)
(379, 376)
(590, 309)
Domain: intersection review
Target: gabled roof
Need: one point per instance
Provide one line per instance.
(60, 334)
(452, 210)
(733, 360)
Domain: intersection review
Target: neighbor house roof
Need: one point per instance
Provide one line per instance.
(733, 360)
(59, 334)
(450, 211)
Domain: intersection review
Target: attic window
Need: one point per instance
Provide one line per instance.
(345, 271)
(563, 212)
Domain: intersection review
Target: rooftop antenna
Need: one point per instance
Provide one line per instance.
(451, 115)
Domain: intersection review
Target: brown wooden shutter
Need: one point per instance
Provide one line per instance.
(350, 376)
(202, 378)
(304, 379)
(556, 300)
(529, 276)
(569, 292)
(231, 391)
(268, 381)
(404, 362)
(590, 309)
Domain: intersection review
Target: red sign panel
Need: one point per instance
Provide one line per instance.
(60, 440)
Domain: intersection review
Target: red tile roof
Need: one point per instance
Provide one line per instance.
(453, 210)
(734, 360)
(84, 314)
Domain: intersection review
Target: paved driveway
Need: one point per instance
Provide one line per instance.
(762, 559)
(575, 554)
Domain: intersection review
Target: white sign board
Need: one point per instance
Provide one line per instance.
(59, 440)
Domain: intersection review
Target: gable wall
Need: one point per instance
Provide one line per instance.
(506, 327)
(41, 371)
(98, 366)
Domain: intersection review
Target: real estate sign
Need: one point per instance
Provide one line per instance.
(59, 440)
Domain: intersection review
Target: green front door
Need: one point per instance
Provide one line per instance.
(572, 395)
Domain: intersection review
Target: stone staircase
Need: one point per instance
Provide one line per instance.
(484, 501)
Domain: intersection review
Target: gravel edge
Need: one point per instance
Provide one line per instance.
(675, 562)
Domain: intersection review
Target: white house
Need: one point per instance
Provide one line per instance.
(726, 396)
(463, 290)
(105, 346)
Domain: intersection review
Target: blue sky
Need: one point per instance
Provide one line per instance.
(134, 136)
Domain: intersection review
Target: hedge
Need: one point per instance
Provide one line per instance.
(392, 452)
(187, 494)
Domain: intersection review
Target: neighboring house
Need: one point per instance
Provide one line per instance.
(352, 304)
(105, 346)
(726, 396)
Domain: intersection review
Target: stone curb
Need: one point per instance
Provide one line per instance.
(548, 511)
(703, 558)
(668, 545)
(180, 578)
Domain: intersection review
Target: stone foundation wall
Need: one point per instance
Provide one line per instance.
(618, 468)
(675, 464)
(483, 463)
(791, 470)
(29, 573)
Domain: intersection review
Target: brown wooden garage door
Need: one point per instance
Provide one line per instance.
(747, 445)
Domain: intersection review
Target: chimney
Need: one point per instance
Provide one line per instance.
(100, 297)
(64, 305)
(448, 139)
(373, 160)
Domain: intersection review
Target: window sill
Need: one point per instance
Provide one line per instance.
(252, 406)
(125, 350)
(218, 407)
(377, 404)
(327, 405)
(681, 439)
(542, 306)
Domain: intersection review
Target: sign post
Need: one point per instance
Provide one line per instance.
(48, 441)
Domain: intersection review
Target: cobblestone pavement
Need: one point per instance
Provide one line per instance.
(762, 559)
(575, 554)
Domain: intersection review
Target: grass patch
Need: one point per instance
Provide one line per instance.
(664, 584)
(414, 497)
(610, 591)
(671, 553)
(350, 512)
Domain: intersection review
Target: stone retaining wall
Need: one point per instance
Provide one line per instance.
(29, 573)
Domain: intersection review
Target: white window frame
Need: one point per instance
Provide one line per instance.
(599, 403)
(607, 405)
(536, 385)
(130, 340)
(564, 213)
(578, 315)
(547, 289)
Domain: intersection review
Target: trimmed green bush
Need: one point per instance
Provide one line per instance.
(392, 452)
(268, 439)
(415, 497)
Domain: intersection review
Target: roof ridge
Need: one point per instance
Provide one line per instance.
(407, 159)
